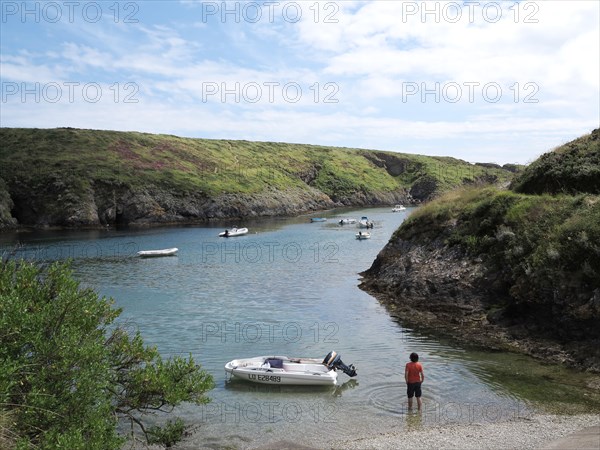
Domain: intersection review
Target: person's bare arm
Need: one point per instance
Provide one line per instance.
(406, 374)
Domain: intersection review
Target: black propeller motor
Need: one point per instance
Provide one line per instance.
(334, 361)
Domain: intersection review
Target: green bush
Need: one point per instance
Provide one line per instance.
(68, 373)
(572, 168)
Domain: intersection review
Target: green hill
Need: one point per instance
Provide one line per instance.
(73, 177)
(507, 268)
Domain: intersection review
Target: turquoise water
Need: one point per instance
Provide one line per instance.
(289, 287)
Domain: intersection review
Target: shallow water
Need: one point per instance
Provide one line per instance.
(288, 288)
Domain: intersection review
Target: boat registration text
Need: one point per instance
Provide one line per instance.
(271, 378)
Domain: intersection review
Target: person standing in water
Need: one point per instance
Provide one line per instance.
(414, 376)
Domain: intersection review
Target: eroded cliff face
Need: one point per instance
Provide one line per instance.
(101, 204)
(440, 289)
(74, 202)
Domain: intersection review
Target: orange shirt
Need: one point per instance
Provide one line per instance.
(414, 370)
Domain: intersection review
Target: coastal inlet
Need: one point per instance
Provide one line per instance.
(288, 287)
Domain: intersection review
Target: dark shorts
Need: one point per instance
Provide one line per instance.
(413, 390)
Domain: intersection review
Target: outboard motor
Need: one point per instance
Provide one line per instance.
(334, 361)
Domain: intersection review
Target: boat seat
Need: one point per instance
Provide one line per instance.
(272, 365)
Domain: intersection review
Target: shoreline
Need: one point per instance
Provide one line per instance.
(532, 432)
(535, 431)
(467, 331)
(197, 222)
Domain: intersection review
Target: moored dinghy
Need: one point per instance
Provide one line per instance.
(156, 253)
(363, 235)
(290, 371)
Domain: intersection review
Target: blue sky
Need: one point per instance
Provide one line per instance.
(481, 81)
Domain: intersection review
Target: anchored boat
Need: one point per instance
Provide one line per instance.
(234, 232)
(155, 253)
(290, 371)
(365, 222)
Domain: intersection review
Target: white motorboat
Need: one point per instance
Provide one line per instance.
(347, 221)
(155, 253)
(290, 371)
(399, 208)
(234, 232)
(360, 235)
(365, 222)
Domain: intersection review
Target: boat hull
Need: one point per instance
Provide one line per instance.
(294, 371)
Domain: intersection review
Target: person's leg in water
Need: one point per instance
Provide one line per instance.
(418, 395)
(410, 392)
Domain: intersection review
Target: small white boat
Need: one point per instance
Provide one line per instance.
(234, 232)
(348, 221)
(399, 208)
(155, 253)
(360, 235)
(318, 219)
(365, 222)
(290, 371)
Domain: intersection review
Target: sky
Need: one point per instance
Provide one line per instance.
(482, 81)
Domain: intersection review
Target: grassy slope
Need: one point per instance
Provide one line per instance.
(211, 166)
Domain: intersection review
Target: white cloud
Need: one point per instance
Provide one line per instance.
(368, 49)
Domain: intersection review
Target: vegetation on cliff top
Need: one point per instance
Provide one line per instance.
(571, 168)
(62, 166)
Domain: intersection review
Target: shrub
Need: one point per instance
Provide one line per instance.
(68, 373)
